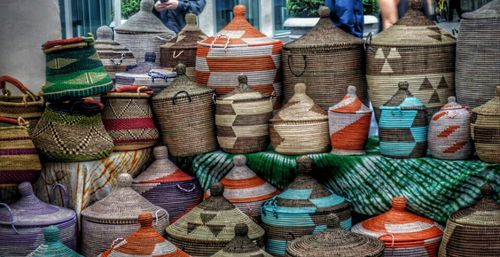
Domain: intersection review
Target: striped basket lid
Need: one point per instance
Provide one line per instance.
(213, 220)
(300, 107)
(350, 103)
(403, 99)
(52, 246)
(400, 228)
(490, 10)
(243, 92)
(122, 205)
(146, 241)
(144, 21)
(189, 36)
(30, 211)
(452, 105)
(239, 33)
(335, 241)
(241, 245)
(181, 87)
(485, 213)
(492, 107)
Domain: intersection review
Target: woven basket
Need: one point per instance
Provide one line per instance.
(474, 231)
(477, 74)
(128, 118)
(403, 233)
(414, 50)
(403, 125)
(21, 223)
(72, 131)
(19, 160)
(335, 241)
(210, 226)
(28, 105)
(301, 127)
(240, 48)
(302, 209)
(192, 109)
(165, 185)
(242, 119)
(115, 216)
(52, 246)
(114, 57)
(143, 32)
(485, 129)
(241, 245)
(328, 60)
(349, 123)
(449, 132)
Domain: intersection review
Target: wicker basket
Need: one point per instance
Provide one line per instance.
(143, 32)
(302, 209)
(449, 132)
(210, 226)
(115, 216)
(241, 245)
(478, 55)
(240, 48)
(168, 187)
(301, 127)
(485, 129)
(19, 160)
(242, 119)
(403, 125)
(328, 60)
(414, 50)
(403, 233)
(52, 246)
(21, 223)
(128, 118)
(474, 231)
(192, 109)
(335, 241)
(349, 123)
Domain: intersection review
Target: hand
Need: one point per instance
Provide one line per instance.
(159, 6)
(172, 4)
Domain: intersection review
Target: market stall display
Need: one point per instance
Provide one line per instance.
(485, 129)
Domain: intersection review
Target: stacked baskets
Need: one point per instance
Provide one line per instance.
(52, 246)
(241, 245)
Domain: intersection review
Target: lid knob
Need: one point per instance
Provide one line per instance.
(452, 100)
(239, 11)
(145, 219)
(190, 18)
(217, 189)
(160, 152)
(150, 56)
(403, 85)
(241, 229)
(25, 189)
(304, 165)
(332, 221)
(486, 190)
(243, 79)
(104, 32)
(124, 180)
(300, 88)
(399, 203)
(240, 160)
(416, 4)
(51, 234)
(324, 12)
(147, 5)
(351, 90)
(180, 69)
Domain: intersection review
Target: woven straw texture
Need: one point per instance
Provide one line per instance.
(210, 226)
(301, 209)
(146, 241)
(403, 233)
(349, 124)
(413, 50)
(52, 246)
(28, 105)
(72, 131)
(22, 222)
(449, 132)
(19, 160)
(240, 48)
(485, 129)
(167, 186)
(241, 245)
(328, 60)
(143, 32)
(242, 119)
(477, 74)
(114, 57)
(115, 216)
(464, 228)
(403, 125)
(301, 127)
(74, 69)
(192, 109)
(335, 241)
(128, 118)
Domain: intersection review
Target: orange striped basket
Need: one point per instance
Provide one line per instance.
(236, 49)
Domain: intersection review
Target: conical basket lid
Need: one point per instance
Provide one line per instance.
(104, 35)
(144, 21)
(162, 170)
(485, 213)
(490, 10)
(300, 107)
(452, 105)
(182, 86)
(243, 92)
(403, 99)
(52, 246)
(241, 245)
(189, 36)
(492, 107)
(350, 103)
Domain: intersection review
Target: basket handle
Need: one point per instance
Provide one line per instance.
(181, 92)
(119, 62)
(187, 190)
(118, 241)
(20, 121)
(18, 84)
(12, 220)
(65, 194)
(175, 56)
(156, 75)
(132, 88)
(303, 70)
(368, 41)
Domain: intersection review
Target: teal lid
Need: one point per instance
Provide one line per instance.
(52, 247)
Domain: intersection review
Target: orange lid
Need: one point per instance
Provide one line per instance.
(350, 103)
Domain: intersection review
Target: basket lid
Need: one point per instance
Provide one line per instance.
(146, 241)
(104, 34)
(324, 34)
(492, 107)
(413, 29)
(189, 36)
(180, 85)
(452, 105)
(239, 33)
(104, 42)
(31, 211)
(399, 225)
(350, 103)
(300, 107)
(486, 212)
(213, 220)
(122, 204)
(335, 241)
(243, 92)
(70, 43)
(403, 99)
(490, 10)
(144, 21)
(241, 245)
(52, 246)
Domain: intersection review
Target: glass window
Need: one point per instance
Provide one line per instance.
(224, 12)
(86, 16)
(280, 15)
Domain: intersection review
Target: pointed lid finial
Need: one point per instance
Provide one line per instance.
(399, 203)
(217, 189)
(304, 165)
(25, 189)
(239, 11)
(241, 229)
(124, 180)
(300, 88)
(324, 12)
(240, 160)
(160, 152)
(416, 4)
(190, 19)
(180, 69)
(486, 190)
(351, 90)
(104, 33)
(332, 221)
(51, 234)
(145, 219)
(403, 85)
(147, 5)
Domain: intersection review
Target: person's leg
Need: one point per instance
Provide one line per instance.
(389, 12)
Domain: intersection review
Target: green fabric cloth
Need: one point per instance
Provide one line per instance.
(434, 188)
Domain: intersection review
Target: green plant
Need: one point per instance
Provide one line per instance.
(370, 7)
(129, 8)
(304, 8)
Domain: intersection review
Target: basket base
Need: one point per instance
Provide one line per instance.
(347, 152)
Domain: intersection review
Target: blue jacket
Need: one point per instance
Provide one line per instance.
(174, 19)
(347, 15)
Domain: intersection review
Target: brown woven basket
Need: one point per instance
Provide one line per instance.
(241, 245)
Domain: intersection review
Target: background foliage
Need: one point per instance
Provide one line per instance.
(129, 8)
(309, 8)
